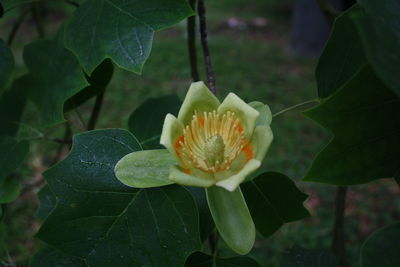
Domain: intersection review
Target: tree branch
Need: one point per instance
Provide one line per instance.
(96, 111)
(191, 32)
(328, 10)
(339, 240)
(38, 22)
(16, 26)
(206, 52)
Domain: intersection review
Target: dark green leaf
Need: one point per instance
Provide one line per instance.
(199, 259)
(48, 202)
(365, 118)
(9, 190)
(99, 80)
(206, 222)
(382, 248)
(147, 120)
(302, 257)
(55, 76)
(12, 104)
(379, 27)
(13, 153)
(6, 65)
(120, 30)
(342, 57)
(109, 224)
(51, 257)
(273, 199)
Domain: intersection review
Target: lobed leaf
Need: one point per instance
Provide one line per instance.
(120, 30)
(364, 116)
(106, 223)
(273, 199)
(147, 120)
(54, 77)
(379, 28)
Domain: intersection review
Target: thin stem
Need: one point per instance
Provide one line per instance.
(191, 31)
(71, 2)
(206, 52)
(38, 22)
(339, 240)
(16, 26)
(328, 10)
(96, 111)
(294, 107)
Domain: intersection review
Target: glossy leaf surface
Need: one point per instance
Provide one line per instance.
(120, 30)
(106, 223)
(54, 77)
(342, 57)
(365, 119)
(273, 199)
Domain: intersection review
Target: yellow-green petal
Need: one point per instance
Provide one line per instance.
(245, 113)
(195, 177)
(265, 117)
(232, 218)
(261, 141)
(234, 181)
(147, 168)
(199, 98)
(171, 131)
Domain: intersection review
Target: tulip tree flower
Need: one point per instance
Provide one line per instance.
(212, 145)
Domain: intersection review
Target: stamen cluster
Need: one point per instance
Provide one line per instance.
(211, 141)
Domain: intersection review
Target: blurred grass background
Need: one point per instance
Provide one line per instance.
(248, 43)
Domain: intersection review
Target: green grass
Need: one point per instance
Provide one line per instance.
(253, 63)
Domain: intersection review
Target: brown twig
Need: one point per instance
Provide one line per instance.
(191, 31)
(328, 10)
(38, 22)
(96, 111)
(339, 240)
(16, 26)
(206, 52)
(71, 2)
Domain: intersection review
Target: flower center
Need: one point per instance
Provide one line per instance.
(211, 141)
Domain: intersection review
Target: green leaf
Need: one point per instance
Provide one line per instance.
(232, 218)
(274, 199)
(382, 248)
(106, 223)
(379, 27)
(54, 77)
(48, 202)
(147, 120)
(9, 190)
(342, 57)
(148, 168)
(199, 259)
(120, 30)
(99, 80)
(50, 257)
(12, 104)
(13, 153)
(302, 257)
(207, 225)
(6, 65)
(365, 118)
